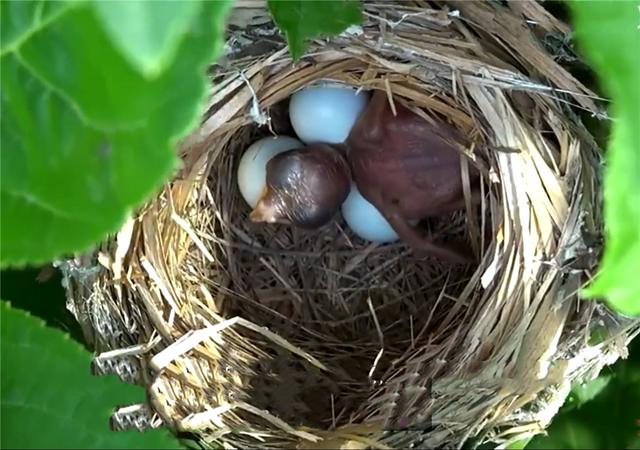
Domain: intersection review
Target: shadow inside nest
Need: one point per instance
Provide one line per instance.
(329, 293)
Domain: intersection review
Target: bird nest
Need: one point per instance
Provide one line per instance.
(255, 335)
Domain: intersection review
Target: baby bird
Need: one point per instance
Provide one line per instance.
(304, 187)
(407, 168)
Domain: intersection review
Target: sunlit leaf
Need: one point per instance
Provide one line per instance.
(21, 18)
(609, 35)
(85, 136)
(147, 33)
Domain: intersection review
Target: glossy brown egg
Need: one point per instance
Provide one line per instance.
(407, 167)
(305, 187)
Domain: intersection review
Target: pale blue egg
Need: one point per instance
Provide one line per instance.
(365, 220)
(326, 112)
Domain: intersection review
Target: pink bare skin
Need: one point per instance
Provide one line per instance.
(409, 169)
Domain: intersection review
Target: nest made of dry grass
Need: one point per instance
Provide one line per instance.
(250, 335)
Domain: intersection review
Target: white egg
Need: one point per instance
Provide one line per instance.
(326, 112)
(252, 170)
(366, 221)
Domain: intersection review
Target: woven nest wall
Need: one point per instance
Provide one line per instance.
(254, 335)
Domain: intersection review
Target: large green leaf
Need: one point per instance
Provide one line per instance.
(21, 18)
(147, 33)
(609, 35)
(305, 19)
(85, 135)
(49, 398)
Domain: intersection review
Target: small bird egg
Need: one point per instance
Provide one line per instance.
(365, 220)
(252, 170)
(325, 113)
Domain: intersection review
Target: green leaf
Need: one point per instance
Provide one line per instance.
(50, 400)
(17, 18)
(21, 18)
(519, 445)
(609, 35)
(306, 19)
(147, 33)
(85, 136)
(608, 414)
(567, 434)
(582, 393)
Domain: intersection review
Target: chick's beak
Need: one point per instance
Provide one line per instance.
(262, 213)
(265, 210)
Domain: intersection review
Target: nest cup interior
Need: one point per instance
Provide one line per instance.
(357, 306)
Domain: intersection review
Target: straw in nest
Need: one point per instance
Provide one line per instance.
(258, 336)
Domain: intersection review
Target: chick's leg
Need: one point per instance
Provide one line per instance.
(418, 243)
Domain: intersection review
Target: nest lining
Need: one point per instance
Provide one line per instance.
(252, 335)
(327, 291)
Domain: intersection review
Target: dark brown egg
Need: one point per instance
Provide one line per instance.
(406, 167)
(305, 187)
